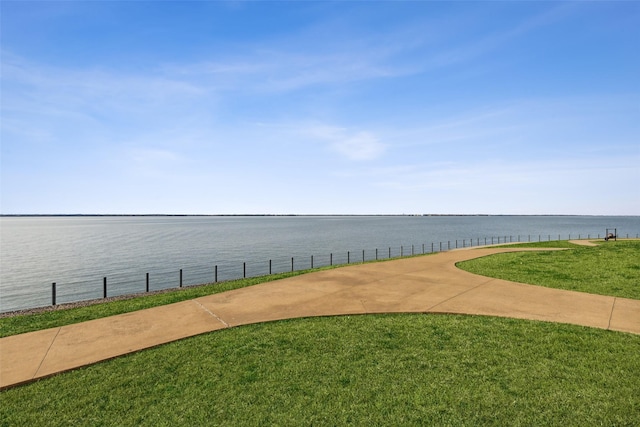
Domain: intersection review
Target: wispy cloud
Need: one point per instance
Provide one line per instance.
(356, 145)
(67, 108)
(474, 48)
(417, 101)
(284, 70)
(359, 146)
(538, 186)
(89, 89)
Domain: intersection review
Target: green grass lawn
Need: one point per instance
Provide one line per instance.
(353, 370)
(611, 268)
(401, 369)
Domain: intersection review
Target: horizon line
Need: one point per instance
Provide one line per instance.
(294, 214)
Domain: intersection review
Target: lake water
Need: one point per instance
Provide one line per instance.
(78, 252)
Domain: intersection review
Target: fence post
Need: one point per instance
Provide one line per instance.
(464, 245)
(244, 270)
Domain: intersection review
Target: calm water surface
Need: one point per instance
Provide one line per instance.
(77, 252)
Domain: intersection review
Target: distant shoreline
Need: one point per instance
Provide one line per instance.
(291, 215)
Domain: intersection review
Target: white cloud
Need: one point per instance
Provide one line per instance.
(356, 145)
(359, 146)
(58, 96)
(284, 70)
(306, 107)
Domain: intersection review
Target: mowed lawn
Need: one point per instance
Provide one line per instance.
(610, 268)
(400, 369)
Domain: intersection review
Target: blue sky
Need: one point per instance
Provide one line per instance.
(320, 107)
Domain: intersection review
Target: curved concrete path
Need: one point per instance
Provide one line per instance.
(429, 284)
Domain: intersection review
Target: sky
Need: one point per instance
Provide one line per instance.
(320, 107)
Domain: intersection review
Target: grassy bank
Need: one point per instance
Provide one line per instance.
(364, 370)
(358, 370)
(610, 268)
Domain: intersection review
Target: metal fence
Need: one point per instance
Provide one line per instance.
(139, 282)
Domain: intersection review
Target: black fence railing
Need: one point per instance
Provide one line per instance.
(119, 284)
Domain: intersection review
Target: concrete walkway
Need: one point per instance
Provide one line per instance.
(429, 284)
